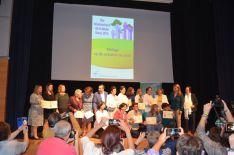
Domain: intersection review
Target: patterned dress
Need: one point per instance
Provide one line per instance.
(35, 114)
(88, 105)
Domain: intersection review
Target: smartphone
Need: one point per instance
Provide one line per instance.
(72, 134)
(173, 132)
(21, 121)
(229, 127)
(114, 122)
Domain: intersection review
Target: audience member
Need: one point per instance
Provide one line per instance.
(110, 140)
(58, 144)
(52, 120)
(9, 146)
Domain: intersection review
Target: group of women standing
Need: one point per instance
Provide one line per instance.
(111, 104)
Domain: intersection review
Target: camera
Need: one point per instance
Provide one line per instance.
(229, 127)
(114, 122)
(21, 121)
(72, 134)
(173, 132)
(218, 103)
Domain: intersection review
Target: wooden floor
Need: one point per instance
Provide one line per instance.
(33, 145)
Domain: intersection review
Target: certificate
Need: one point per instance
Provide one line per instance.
(79, 114)
(49, 104)
(168, 114)
(129, 102)
(151, 120)
(141, 106)
(138, 119)
(88, 114)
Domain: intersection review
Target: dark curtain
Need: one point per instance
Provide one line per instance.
(193, 49)
(202, 46)
(224, 39)
(20, 48)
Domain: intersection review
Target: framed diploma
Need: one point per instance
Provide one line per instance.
(168, 114)
(151, 120)
(141, 106)
(49, 104)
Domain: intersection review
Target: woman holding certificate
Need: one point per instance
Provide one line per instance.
(160, 98)
(112, 102)
(35, 114)
(62, 98)
(177, 103)
(121, 113)
(75, 104)
(153, 119)
(88, 109)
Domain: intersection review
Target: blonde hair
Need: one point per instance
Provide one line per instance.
(179, 92)
(36, 88)
(78, 91)
(60, 88)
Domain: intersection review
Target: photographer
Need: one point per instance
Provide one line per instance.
(110, 140)
(9, 146)
(211, 147)
(58, 144)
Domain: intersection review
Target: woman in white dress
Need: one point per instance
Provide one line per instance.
(112, 102)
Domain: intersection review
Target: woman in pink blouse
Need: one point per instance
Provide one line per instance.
(121, 114)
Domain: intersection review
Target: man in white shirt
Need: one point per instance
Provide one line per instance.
(148, 99)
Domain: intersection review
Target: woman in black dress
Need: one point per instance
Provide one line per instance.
(48, 95)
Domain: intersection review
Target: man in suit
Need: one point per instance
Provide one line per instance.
(190, 108)
(99, 96)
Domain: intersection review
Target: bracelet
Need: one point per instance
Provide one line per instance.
(204, 115)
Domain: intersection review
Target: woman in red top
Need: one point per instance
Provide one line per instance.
(75, 104)
(121, 114)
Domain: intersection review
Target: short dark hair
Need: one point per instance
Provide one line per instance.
(147, 89)
(100, 104)
(189, 145)
(164, 105)
(134, 103)
(102, 85)
(214, 134)
(122, 105)
(5, 131)
(53, 119)
(112, 88)
(122, 87)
